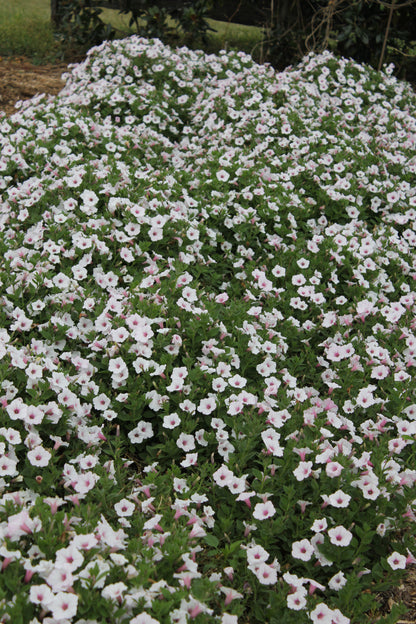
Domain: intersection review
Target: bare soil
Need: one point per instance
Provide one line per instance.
(405, 593)
(20, 80)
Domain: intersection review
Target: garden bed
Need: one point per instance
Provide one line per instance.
(208, 404)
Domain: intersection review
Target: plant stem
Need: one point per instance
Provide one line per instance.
(386, 34)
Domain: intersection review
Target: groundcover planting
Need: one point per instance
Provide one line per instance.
(207, 343)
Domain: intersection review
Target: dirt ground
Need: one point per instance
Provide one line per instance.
(21, 80)
(405, 593)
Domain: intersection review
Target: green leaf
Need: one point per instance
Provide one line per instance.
(211, 540)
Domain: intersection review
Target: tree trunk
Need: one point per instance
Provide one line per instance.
(54, 12)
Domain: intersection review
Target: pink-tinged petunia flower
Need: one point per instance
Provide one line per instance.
(238, 484)
(256, 554)
(223, 476)
(340, 536)
(271, 440)
(222, 175)
(21, 524)
(303, 550)
(106, 534)
(397, 561)
(380, 372)
(227, 618)
(235, 407)
(392, 197)
(84, 541)
(191, 459)
(39, 457)
(297, 600)
(266, 574)
(199, 436)
(101, 402)
(85, 482)
(237, 381)
(197, 531)
(170, 421)
(303, 471)
(40, 594)
(262, 511)
(337, 499)
(8, 467)
(124, 508)
(365, 397)
(126, 254)
(114, 591)
(186, 442)
(141, 432)
(207, 406)
(219, 384)
(143, 618)
(322, 614)
(60, 578)
(337, 581)
(221, 298)
(245, 497)
(370, 490)
(230, 594)
(333, 469)
(16, 409)
(187, 406)
(339, 618)
(156, 233)
(319, 525)
(69, 557)
(396, 445)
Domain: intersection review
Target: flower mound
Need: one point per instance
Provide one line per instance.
(207, 342)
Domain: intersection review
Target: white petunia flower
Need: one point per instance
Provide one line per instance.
(340, 536)
(263, 511)
(397, 561)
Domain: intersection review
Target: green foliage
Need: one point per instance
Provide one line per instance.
(353, 29)
(186, 20)
(359, 30)
(80, 27)
(192, 19)
(402, 53)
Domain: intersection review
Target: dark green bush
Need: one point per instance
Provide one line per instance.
(355, 29)
(169, 21)
(79, 26)
(360, 29)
